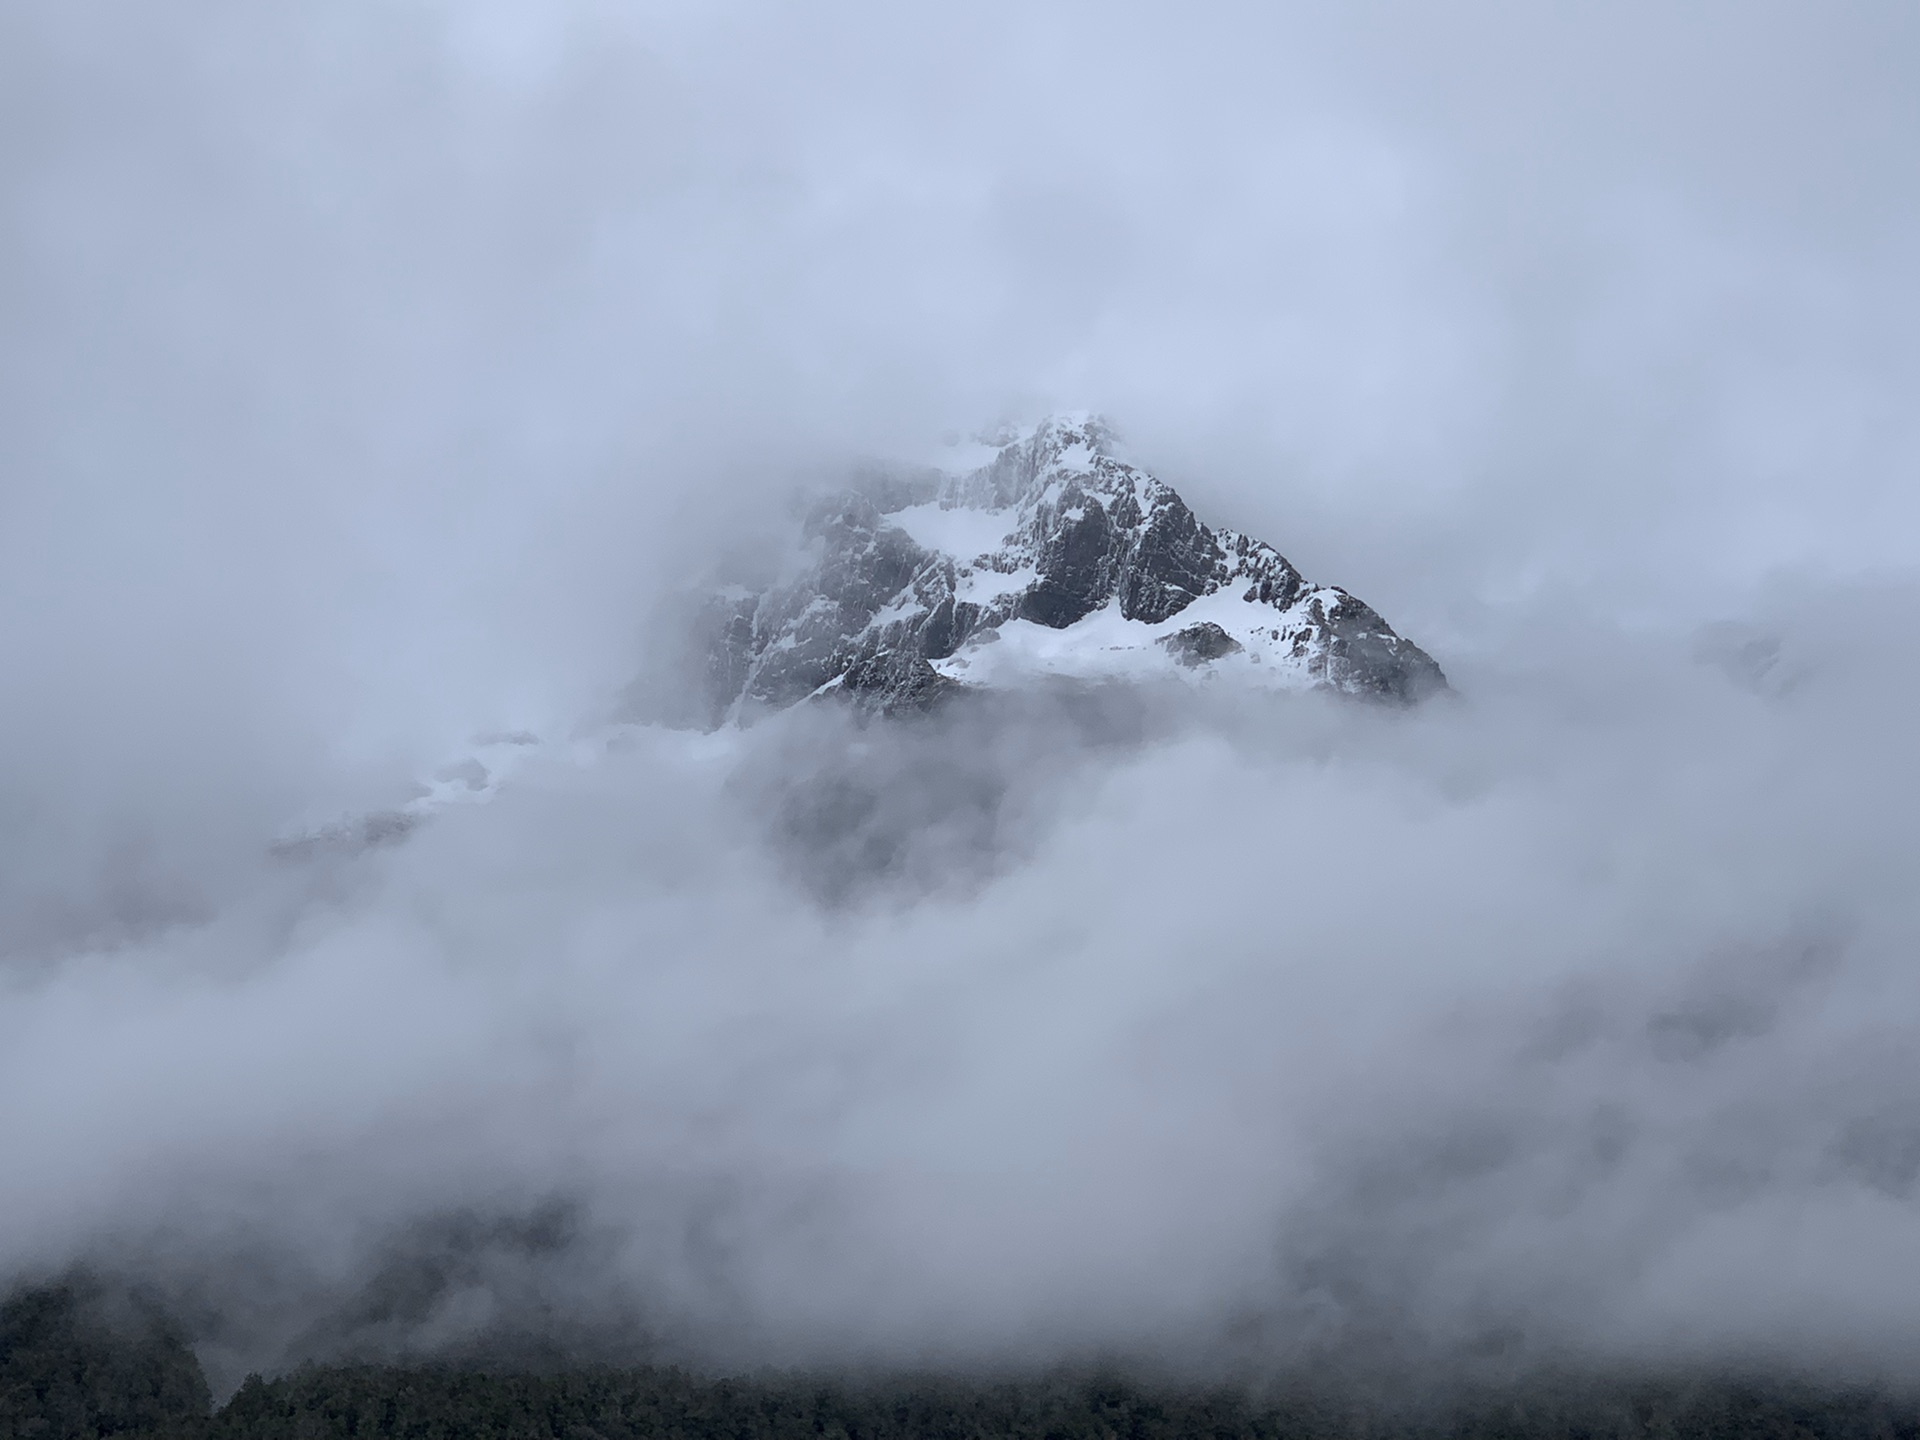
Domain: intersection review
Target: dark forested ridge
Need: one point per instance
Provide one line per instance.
(78, 1363)
(618, 1405)
(80, 1359)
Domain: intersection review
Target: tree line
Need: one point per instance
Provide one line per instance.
(77, 1365)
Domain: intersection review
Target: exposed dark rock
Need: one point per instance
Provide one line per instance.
(1200, 643)
(1176, 560)
(896, 680)
(1076, 570)
(1373, 660)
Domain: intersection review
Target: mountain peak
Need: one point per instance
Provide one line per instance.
(1060, 435)
(1055, 431)
(1037, 551)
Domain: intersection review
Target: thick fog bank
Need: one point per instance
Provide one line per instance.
(1570, 1016)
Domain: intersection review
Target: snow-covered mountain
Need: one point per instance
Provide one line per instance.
(1040, 553)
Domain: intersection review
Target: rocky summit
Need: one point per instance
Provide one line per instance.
(1039, 553)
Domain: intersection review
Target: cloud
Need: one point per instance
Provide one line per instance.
(373, 372)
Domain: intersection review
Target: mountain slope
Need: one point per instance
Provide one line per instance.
(1050, 555)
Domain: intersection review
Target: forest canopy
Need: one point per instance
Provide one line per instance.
(79, 1361)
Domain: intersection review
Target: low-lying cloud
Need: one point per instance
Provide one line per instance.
(1555, 1016)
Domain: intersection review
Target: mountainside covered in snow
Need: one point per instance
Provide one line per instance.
(1043, 553)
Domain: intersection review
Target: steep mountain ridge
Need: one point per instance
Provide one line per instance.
(1042, 552)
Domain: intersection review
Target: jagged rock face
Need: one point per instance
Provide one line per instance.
(1050, 555)
(1197, 644)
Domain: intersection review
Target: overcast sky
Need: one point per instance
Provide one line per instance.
(339, 313)
(367, 370)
